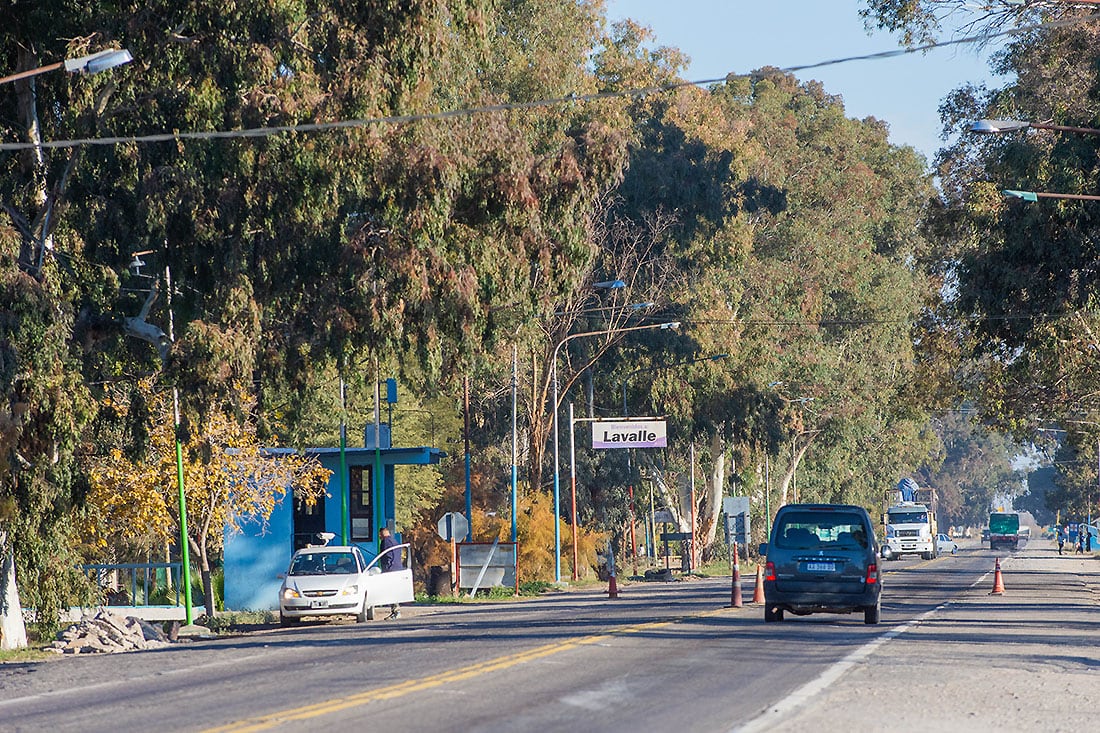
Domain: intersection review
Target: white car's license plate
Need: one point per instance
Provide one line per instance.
(318, 604)
(821, 567)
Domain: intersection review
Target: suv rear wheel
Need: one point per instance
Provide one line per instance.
(871, 614)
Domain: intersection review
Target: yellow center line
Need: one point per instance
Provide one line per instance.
(400, 689)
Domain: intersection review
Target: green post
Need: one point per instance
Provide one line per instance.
(345, 498)
(376, 476)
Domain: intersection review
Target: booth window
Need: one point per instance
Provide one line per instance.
(362, 506)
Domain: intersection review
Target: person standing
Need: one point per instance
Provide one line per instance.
(389, 562)
(1061, 539)
(1080, 542)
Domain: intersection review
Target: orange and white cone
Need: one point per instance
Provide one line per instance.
(998, 581)
(612, 587)
(758, 592)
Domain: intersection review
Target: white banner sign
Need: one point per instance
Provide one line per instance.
(629, 434)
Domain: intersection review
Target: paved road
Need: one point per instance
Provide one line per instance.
(1026, 660)
(661, 657)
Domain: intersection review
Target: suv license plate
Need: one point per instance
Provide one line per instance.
(821, 567)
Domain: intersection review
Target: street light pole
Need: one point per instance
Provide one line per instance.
(555, 404)
(1034, 196)
(185, 552)
(996, 127)
(91, 64)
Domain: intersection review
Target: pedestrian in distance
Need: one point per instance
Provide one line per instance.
(1061, 539)
(390, 562)
(1080, 543)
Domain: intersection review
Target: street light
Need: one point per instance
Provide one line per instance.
(91, 64)
(995, 127)
(1034, 196)
(557, 468)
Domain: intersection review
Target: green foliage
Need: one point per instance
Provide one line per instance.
(973, 468)
(778, 230)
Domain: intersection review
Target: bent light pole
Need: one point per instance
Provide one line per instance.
(555, 405)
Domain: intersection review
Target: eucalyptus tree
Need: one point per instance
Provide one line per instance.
(924, 21)
(311, 193)
(1023, 274)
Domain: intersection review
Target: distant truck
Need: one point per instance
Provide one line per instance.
(911, 526)
(1004, 530)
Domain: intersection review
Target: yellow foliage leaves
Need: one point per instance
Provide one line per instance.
(228, 478)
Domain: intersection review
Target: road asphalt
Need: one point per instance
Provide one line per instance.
(1024, 660)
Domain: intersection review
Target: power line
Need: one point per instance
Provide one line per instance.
(518, 106)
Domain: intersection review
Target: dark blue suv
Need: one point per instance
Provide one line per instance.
(821, 558)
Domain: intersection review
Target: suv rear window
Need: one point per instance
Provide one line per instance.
(812, 530)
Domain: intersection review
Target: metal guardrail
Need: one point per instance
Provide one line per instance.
(147, 577)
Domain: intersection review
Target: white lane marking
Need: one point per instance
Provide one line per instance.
(780, 710)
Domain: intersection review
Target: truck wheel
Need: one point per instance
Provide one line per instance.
(871, 613)
(772, 613)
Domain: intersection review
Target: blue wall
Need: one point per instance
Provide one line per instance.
(254, 558)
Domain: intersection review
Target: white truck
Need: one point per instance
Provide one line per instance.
(911, 527)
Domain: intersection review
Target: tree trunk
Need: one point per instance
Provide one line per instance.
(788, 475)
(208, 591)
(711, 507)
(13, 632)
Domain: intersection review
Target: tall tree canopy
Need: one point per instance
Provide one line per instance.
(288, 251)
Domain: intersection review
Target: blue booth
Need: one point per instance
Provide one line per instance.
(353, 511)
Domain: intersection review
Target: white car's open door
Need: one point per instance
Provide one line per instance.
(384, 589)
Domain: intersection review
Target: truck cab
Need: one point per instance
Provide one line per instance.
(1004, 530)
(910, 530)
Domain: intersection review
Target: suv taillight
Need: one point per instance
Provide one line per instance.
(872, 573)
(769, 571)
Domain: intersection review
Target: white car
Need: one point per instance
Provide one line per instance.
(946, 544)
(338, 581)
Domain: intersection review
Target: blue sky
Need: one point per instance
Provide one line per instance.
(723, 36)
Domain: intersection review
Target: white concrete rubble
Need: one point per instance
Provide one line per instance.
(106, 633)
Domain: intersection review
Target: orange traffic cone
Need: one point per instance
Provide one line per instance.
(998, 581)
(735, 590)
(758, 593)
(612, 587)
